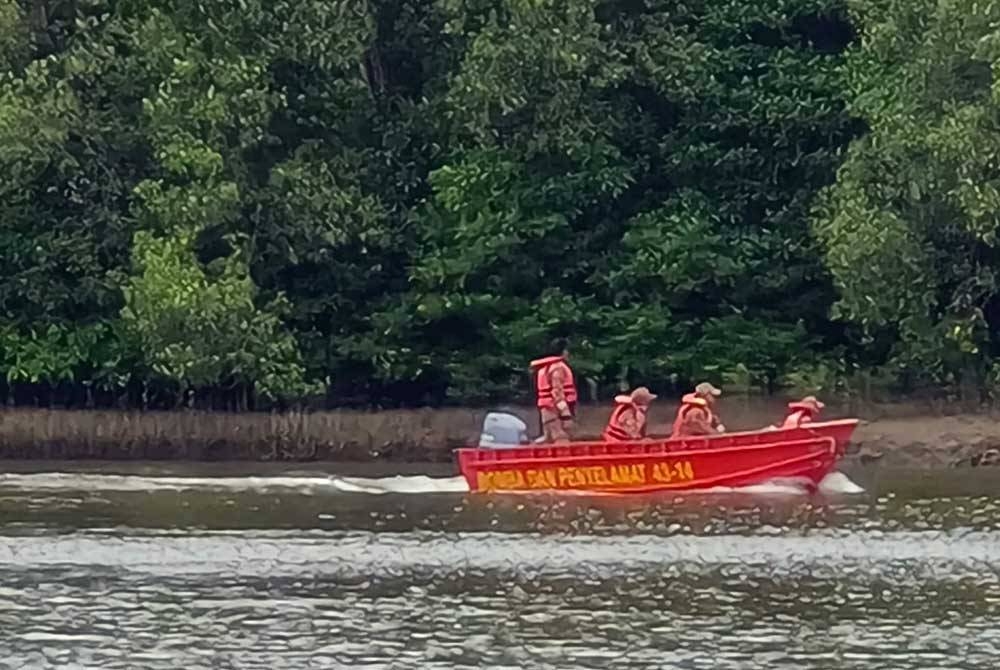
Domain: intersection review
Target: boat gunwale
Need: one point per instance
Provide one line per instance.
(650, 453)
(649, 447)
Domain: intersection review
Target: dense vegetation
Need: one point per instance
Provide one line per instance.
(403, 200)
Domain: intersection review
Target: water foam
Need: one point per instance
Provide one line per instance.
(839, 483)
(72, 481)
(401, 484)
(835, 483)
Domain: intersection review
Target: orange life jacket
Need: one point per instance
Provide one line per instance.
(689, 403)
(615, 432)
(544, 367)
(798, 415)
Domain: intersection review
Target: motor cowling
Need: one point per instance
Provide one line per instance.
(503, 431)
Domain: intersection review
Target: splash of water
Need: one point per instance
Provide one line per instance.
(839, 483)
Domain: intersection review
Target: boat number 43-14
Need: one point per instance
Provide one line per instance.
(669, 472)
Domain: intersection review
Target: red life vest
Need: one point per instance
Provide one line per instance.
(544, 367)
(689, 403)
(615, 432)
(799, 415)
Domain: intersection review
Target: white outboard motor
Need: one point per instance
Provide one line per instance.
(503, 431)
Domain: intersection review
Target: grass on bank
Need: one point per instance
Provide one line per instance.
(341, 435)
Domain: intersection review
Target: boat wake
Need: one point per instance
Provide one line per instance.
(835, 483)
(72, 481)
(401, 484)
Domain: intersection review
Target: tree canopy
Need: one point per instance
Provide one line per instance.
(403, 201)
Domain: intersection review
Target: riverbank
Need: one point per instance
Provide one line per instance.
(901, 434)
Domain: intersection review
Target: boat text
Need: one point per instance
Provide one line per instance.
(587, 477)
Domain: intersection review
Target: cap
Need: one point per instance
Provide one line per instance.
(706, 389)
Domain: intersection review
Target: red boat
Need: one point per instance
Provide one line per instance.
(806, 454)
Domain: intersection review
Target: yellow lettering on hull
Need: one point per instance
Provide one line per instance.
(607, 477)
(500, 480)
(668, 473)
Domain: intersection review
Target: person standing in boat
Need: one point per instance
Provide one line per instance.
(555, 392)
(695, 415)
(804, 411)
(628, 419)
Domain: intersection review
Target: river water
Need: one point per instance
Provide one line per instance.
(149, 568)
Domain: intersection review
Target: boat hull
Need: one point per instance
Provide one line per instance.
(738, 459)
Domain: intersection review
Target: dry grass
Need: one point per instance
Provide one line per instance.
(411, 435)
(357, 436)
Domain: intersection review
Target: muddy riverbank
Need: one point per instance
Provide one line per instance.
(902, 434)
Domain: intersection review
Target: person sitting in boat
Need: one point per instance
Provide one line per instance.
(555, 392)
(803, 411)
(695, 415)
(628, 418)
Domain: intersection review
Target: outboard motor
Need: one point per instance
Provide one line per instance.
(503, 431)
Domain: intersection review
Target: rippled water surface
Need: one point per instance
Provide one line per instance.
(175, 570)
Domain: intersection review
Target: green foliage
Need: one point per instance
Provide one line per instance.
(910, 227)
(533, 78)
(13, 34)
(404, 200)
(59, 354)
(202, 331)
